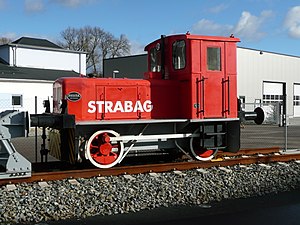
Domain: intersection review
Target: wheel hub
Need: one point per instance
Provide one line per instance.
(105, 149)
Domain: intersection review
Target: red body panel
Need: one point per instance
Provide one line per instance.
(164, 96)
(100, 98)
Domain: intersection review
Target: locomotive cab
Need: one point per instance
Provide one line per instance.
(198, 71)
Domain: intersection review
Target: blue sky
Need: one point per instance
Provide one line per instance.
(270, 25)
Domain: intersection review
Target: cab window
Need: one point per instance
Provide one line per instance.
(179, 55)
(214, 58)
(155, 59)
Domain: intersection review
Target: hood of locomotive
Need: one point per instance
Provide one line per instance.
(102, 98)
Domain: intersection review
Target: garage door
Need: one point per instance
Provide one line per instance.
(272, 92)
(297, 100)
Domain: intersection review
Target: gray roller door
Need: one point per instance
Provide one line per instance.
(272, 92)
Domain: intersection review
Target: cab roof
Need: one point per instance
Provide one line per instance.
(189, 36)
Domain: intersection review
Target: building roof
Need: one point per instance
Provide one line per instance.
(35, 42)
(10, 72)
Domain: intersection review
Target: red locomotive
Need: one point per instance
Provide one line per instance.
(186, 101)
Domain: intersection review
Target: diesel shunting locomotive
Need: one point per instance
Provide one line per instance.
(187, 101)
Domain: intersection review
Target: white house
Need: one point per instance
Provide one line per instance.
(28, 67)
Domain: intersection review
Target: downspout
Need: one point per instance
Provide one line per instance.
(14, 61)
(80, 64)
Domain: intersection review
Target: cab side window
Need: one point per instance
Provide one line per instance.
(155, 60)
(179, 55)
(214, 58)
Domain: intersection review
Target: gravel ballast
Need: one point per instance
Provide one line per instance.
(80, 198)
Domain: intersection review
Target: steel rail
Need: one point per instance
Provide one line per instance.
(163, 167)
(251, 151)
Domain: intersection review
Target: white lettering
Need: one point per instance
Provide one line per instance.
(108, 106)
(138, 107)
(100, 106)
(128, 106)
(148, 106)
(92, 107)
(119, 106)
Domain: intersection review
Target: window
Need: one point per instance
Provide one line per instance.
(296, 100)
(214, 58)
(242, 101)
(272, 98)
(178, 55)
(16, 100)
(155, 59)
(257, 103)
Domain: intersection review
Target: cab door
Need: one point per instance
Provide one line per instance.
(212, 79)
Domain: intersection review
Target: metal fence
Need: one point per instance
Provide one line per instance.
(277, 130)
(28, 146)
(31, 104)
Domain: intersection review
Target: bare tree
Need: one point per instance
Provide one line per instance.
(120, 47)
(97, 43)
(4, 40)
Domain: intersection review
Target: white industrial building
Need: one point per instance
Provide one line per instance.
(266, 77)
(28, 68)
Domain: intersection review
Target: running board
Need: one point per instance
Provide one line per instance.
(214, 134)
(151, 138)
(217, 148)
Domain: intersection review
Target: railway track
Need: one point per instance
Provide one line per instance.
(243, 157)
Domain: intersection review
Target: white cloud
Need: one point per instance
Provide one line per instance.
(33, 6)
(292, 22)
(73, 3)
(218, 8)
(136, 48)
(248, 27)
(208, 27)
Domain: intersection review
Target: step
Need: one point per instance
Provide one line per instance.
(219, 148)
(214, 134)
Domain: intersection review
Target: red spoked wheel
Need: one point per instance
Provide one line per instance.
(101, 152)
(199, 152)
